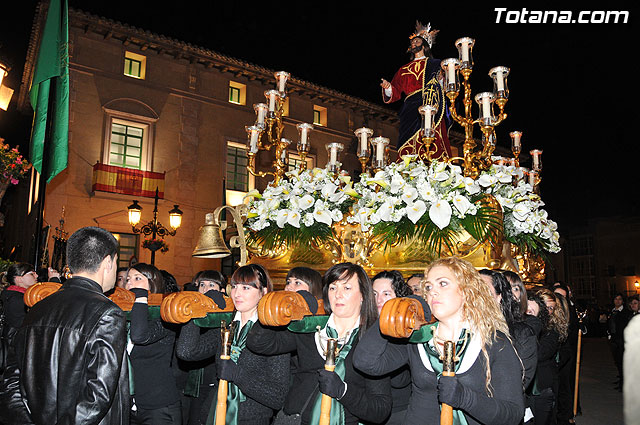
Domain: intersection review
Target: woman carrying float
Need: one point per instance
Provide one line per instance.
(256, 384)
(485, 385)
(355, 397)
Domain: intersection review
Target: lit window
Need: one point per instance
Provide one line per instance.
(126, 144)
(319, 115)
(127, 247)
(239, 181)
(295, 161)
(237, 93)
(134, 65)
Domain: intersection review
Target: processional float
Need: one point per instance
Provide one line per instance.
(395, 215)
(402, 215)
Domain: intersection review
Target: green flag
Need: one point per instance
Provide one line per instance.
(51, 79)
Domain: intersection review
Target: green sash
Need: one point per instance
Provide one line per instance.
(337, 410)
(195, 377)
(436, 363)
(234, 394)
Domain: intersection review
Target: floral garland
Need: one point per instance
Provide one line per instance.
(13, 166)
(405, 200)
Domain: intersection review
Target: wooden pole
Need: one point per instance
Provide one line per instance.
(446, 411)
(330, 365)
(221, 404)
(575, 388)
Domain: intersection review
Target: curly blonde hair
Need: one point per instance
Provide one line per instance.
(559, 317)
(479, 307)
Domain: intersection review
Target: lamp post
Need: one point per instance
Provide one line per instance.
(5, 92)
(154, 227)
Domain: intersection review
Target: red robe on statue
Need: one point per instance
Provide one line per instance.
(420, 88)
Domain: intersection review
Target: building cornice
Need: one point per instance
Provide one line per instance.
(144, 40)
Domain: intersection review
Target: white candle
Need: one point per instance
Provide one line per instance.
(533, 177)
(363, 141)
(333, 155)
(427, 120)
(380, 152)
(499, 81)
(465, 51)
(254, 141)
(516, 140)
(272, 101)
(486, 107)
(262, 112)
(451, 69)
(282, 83)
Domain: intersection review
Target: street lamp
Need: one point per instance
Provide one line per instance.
(154, 228)
(5, 92)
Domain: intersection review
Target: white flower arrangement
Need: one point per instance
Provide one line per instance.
(525, 222)
(406, 199)
(303, 206)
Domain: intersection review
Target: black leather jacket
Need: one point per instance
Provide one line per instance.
(69, 363)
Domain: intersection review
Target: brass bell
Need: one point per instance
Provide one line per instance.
(210, 241)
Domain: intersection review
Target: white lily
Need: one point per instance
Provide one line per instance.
(440, 213)
(461, 203)
(487, 180)
(409, 195)
(294, 219)
(282, 217)
(416, 210)
(322, 216)
(385, 210)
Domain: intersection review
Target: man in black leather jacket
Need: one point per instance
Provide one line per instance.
(69, 361)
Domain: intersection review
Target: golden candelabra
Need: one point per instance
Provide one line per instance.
(475, 161)
(266, 133)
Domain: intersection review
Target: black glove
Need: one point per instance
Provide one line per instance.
(140, 292)
(311, 301)
(217, 297)
(227, 370)
(425, 306)
(450, 391)
(330, 384)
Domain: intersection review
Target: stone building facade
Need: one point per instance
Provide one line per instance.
(142, 101)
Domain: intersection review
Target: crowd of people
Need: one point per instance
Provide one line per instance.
(76, 357)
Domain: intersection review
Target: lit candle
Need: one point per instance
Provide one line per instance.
(271, 95)
(333, 149)
(535, 154)
(533, 174)
(282, 78)
(465, 51)
(254, 133)
(261, 111)
(499, 80)
(486, 107)
(380, 143)
(451, 69)
(515, 136)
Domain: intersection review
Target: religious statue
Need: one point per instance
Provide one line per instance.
(419, 81)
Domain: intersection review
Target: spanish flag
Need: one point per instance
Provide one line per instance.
(127, 181)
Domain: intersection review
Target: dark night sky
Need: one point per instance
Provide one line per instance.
(571, 84)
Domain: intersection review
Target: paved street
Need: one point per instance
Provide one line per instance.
(601, 403)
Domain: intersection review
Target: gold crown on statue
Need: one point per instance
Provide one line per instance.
(425, 33)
